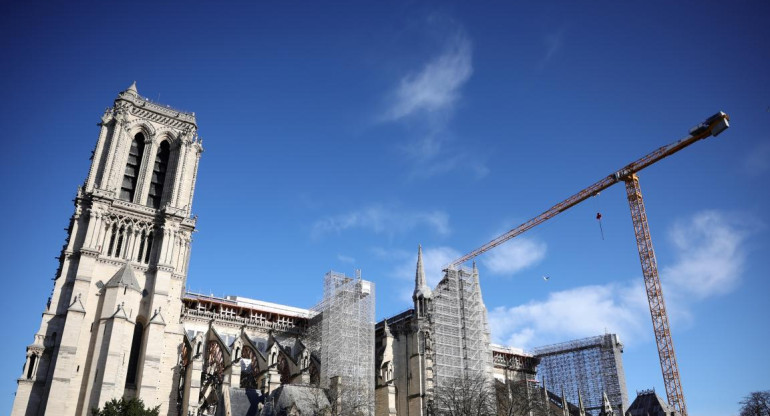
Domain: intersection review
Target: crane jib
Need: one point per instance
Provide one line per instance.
(714, 125)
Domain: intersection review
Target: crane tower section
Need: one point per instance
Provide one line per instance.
(661, 327)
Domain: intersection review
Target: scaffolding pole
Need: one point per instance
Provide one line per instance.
(344, 330)
(460, 328)
(589, 367)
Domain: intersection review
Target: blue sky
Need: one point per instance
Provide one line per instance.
(340, 136)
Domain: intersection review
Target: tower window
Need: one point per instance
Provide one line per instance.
(133, 358)
(31, 369)
(158, 176)
(149, 248)
(128, 186)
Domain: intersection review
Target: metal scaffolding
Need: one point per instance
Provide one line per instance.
(460, 328)
(590, 366)
(344, 332)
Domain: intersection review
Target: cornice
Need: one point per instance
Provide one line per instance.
(122, 262)
(165, 114)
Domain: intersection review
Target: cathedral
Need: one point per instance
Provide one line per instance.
(120, 322)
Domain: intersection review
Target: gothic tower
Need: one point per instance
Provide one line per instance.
(111, 328)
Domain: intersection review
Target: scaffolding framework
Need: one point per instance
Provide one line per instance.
(460, 328)
(590, 366)
(343, 331)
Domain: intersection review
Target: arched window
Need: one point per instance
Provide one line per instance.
(158, 175)
(133, 164)
(31, 368)
(133, 358)
(149, 248)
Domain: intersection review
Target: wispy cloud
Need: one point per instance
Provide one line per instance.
(710, 256)
(758, 160)
(514, 255)
(436, 87)
(425, 101)
(380, 219)
(345, 259)
(553, 43)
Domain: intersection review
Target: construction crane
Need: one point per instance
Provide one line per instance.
(712, 126)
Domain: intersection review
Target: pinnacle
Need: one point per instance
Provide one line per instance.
(420, 286)
(132, 88)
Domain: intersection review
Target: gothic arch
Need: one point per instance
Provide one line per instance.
(185, 359)
(249, 367)
(165, 133)
(216, 357)
(162, 174)
(141, 126)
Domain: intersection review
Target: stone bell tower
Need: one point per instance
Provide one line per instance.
(111, 328)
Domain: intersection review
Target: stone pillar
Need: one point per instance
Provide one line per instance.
(149, 376)
(67, 372)
(193, 401)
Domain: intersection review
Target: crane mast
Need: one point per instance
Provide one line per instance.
(671, 380)
(712, 126)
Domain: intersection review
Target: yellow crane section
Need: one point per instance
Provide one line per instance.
(712, 126)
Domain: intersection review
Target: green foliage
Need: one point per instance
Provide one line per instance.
(123, 407)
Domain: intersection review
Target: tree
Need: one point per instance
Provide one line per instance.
(468, 396)
(519, 398)
(756, 404)
(123, 407)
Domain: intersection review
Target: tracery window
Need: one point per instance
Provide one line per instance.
(215, 364)
(158, 175)
(134, 162)
(315, 374)
(211, 378)
(249, 369)
(283, 369)
(184, 362)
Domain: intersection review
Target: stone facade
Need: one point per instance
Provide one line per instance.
(120, 323)
(111, 327)
(442, 340)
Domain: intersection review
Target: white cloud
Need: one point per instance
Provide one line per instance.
(570, 314)
(382, 220)
(345, 259)
(425, 101)
(710, 256)
(436, 87)
(514, 255)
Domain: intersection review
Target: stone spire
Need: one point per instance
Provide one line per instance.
(581, 407)
(606, 406)
(386, 329)
(564, 404)
(132, 89)
(420, 286)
